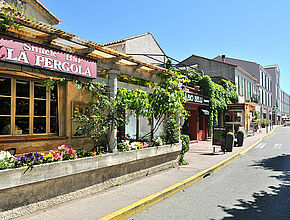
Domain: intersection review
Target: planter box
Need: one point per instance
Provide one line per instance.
(19, 187)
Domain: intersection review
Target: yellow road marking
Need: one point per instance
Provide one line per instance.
(148, 201)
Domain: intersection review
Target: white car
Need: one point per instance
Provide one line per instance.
(287, 122)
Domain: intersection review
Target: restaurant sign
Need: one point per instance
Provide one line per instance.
(196, 99)
(219, 136)
(17, 51)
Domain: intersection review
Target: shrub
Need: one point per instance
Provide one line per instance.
(231, 134)
(240, 131)
(185, 148)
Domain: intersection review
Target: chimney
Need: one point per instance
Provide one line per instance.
(223, 58)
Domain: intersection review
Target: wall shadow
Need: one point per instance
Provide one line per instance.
(267, 205)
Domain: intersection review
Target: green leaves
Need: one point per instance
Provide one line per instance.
(220, 94)
(9, 13)
(49, 83)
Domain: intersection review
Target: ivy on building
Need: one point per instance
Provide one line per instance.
(221, 94)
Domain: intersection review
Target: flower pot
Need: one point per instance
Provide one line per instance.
(229, 142)
(240, 138)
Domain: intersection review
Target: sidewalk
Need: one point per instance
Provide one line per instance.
(101, 204)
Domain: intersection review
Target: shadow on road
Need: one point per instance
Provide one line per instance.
(267, 205)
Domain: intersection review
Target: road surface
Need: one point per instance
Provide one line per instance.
(255, 186)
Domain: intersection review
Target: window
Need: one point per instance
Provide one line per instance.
(238, 85)
(242, 93)
(245, 88)
(28, 108)
(131, 127)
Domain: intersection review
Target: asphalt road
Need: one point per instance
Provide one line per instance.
(255, 186)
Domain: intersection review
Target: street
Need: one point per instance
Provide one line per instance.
(256, 186)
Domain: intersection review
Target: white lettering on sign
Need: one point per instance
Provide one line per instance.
(22, 52)
(28, 47)
(194, 98)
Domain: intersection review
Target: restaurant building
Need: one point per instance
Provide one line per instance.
(34, 118)
(198, 109)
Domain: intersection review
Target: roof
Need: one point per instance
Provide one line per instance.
(125, 39)
(271, 66)
(36, 31)
(40, 8)
(217, 57)
(246, 73)
(193, 55)
(236, 66)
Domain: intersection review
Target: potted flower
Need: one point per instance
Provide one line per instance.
(240, 137)
(230, 137)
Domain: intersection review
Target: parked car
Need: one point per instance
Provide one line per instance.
(287, 122)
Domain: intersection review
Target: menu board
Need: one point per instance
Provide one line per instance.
(219, 136)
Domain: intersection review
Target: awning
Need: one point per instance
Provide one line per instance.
(205, 112)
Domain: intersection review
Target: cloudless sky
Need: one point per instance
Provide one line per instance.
(255, 30)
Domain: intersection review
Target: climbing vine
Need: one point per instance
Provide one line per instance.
(221, 94)
(8, 15)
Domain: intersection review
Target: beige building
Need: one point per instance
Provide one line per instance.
(34, 118)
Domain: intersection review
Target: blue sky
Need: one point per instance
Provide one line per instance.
(254, 30)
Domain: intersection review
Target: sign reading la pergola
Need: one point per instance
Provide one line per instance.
(17, 51)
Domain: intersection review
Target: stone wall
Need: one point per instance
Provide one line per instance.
(22, 186)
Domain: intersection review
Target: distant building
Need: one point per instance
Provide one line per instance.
(274, 72)
(143, 47)
(217, 70)
(263, 79)
(285, 103)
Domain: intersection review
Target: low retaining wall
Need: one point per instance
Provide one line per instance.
(21, 187)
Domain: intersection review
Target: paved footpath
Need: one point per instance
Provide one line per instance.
(101, 204)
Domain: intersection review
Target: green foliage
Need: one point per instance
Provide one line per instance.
(83, 153)
(185, 148)
(220, 94)
(172, 131)
(230, 134)
(135, 81)
(103, 115)
(49, 83)
(63, 82)
(4, 164)
(8, 15)
(193, 76)
(240, 131)
(263, 122)
(135, 100)
(166, 98)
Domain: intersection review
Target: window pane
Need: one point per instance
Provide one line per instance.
(22, 125)
(5, 108)
(53, 108)
(39, 91)
(40, 107)
(5, 125)
(54, 93)
(22, 106)
(159, 131)
(130, 128)
(144, 127)
(53, 125)
(5, 86)
(39, 125)
(22, 88)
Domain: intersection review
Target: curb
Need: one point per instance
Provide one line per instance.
(142, 204)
